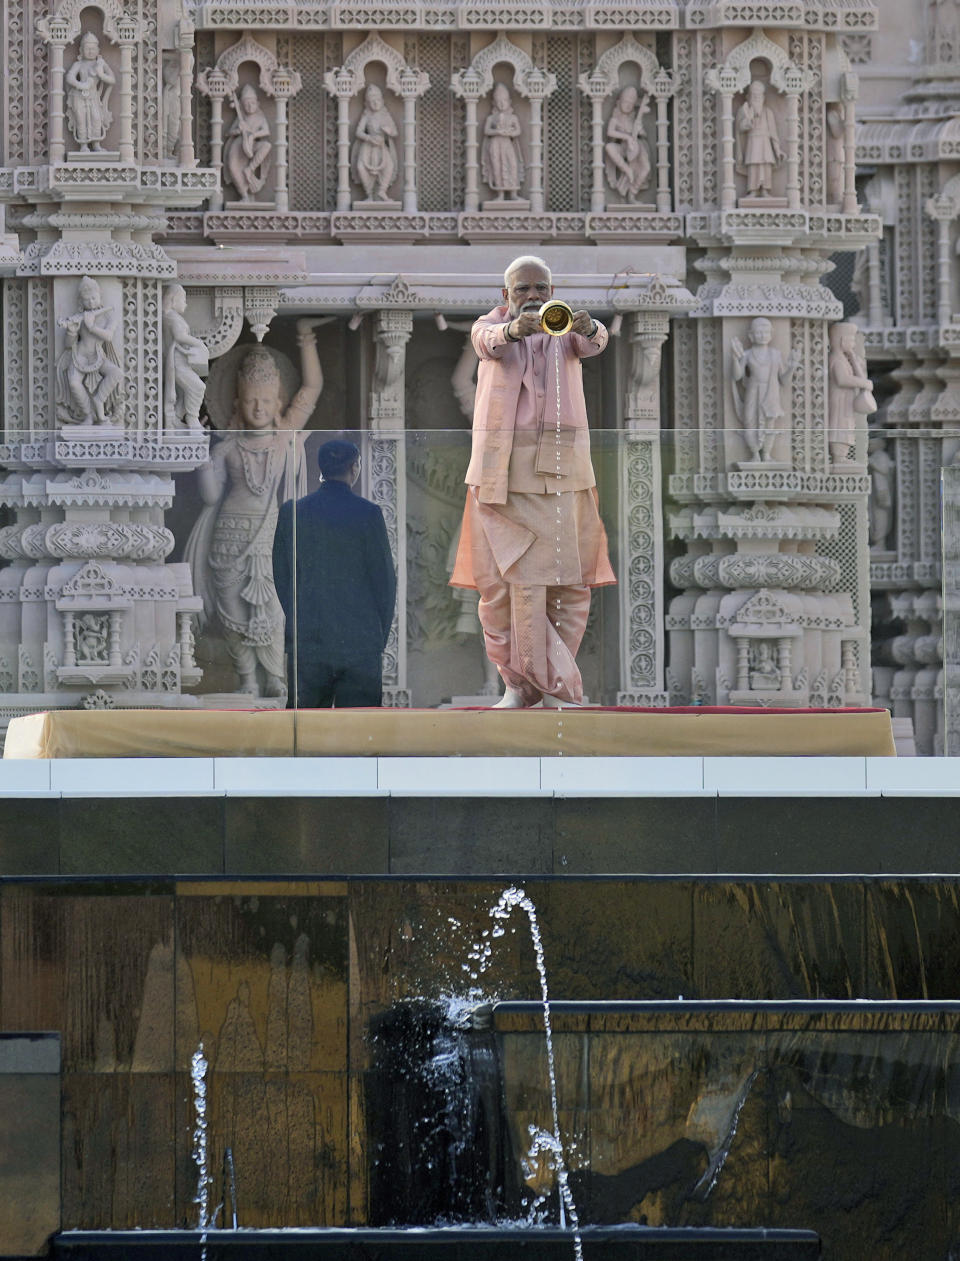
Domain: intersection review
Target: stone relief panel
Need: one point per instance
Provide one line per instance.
(251, 151)
(374, 150)
(89, 374)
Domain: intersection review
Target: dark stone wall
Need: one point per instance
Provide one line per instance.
(283, 980)
(451, 836)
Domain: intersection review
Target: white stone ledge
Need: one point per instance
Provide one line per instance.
(482, 777)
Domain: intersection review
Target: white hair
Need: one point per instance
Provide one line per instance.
(525, 260)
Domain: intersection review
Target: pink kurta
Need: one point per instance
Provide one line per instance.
(532, 541)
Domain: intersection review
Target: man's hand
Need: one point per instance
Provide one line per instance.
(583, 322)
(527, 322)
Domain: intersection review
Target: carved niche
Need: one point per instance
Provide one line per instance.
(252, 154)
(372, 151)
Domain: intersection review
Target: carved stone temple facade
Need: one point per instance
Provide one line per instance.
(213, 207)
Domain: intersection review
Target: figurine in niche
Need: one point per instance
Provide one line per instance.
(88, 370)
(170, 108)
(373, 158)
(255, 466)
(765, 674)
(834, 153)
(882, 469)
(246, 153)
(183, 354)
(92, 631)
(89, 82)
(626, 149)
(851, 390)
(501, 159)
(758, 141)
(758, 373)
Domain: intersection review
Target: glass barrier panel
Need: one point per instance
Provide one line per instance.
(145, 572)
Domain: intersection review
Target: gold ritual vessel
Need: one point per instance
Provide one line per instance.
(556, 317)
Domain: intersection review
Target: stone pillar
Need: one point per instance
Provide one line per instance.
(536, 85)
(663, 89)
(468, 85)
(410, 89)
(728, 186)
(284, 86)
(57, 44)
(129, 32)
(942, 210)
(596, 88)
(874, 287)
(215, 84)
(185, 33)
(344, 91)
(848, 92)
(793, 150)
(640, 575)
(385, 478)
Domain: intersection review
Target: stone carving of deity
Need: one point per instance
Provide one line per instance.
(373, 157)
(91, 636)
(883, 490)
(758, 372)
(170, 110)
(253, 468)
(758, 142)
(501, 159)
(626, 149)
(89, 82)
(765, 674)
(183, 354)
(833, 138)
(247, 151)
(851, 390)
(88, 370)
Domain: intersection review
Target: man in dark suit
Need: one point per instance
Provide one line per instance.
(335, 578)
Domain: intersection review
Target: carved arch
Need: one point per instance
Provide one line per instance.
(608, 66)
(63, 25)
(528, 79)
(247, 49)
(785, 76)
(374, 48)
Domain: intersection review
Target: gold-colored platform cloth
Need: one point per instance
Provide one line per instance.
(466, 732)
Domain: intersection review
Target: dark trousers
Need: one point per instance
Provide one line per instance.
(320, 685)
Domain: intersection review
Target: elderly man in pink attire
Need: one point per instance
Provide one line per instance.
(532, 542)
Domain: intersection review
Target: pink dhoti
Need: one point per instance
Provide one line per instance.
(534, 560)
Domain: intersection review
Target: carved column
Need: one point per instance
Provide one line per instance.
(640, 574)
(848, 92)
(129, 33)
(724, 81)
(344, 89)
(215, 84)
(285, 84)
(468, 85)
(942, 211)
(794, 86)
(185, 33)
(874, 287)
(58, 41)
(537, 88)
(597, 88)
(386, 478)
(663, 89)
(413, 84)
